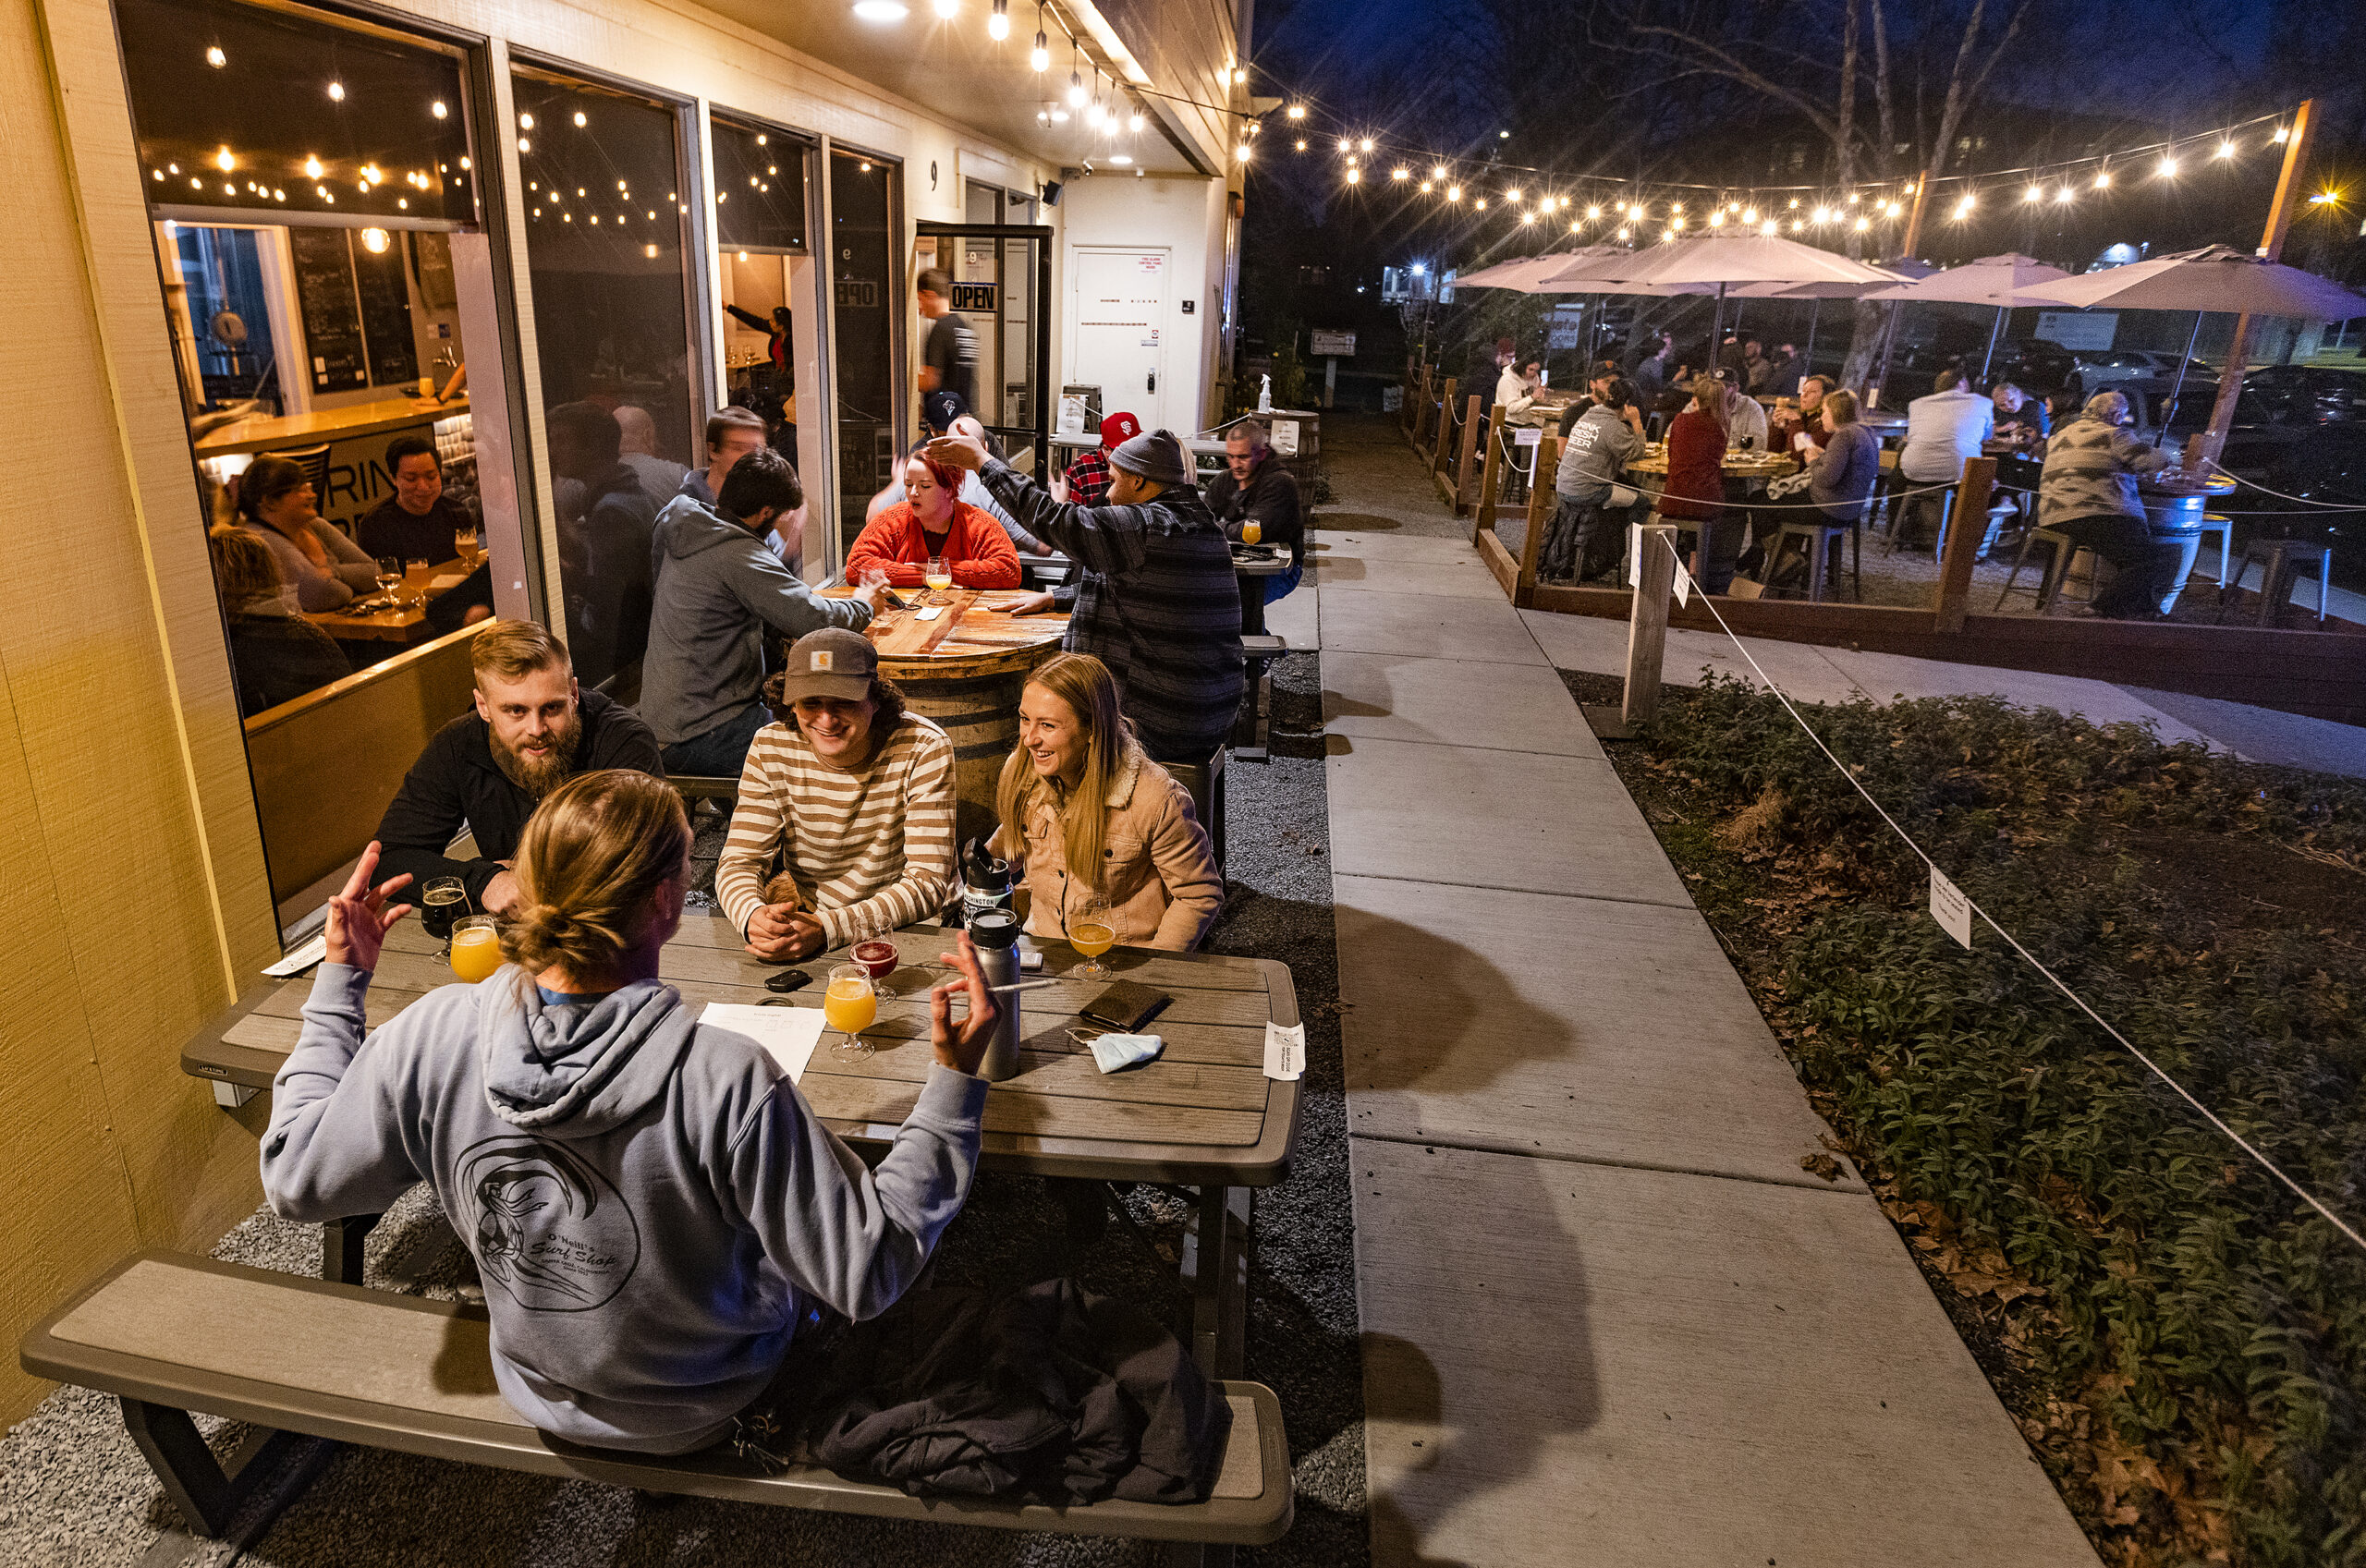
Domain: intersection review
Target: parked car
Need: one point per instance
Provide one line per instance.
(2033, 366)
(2098, 368)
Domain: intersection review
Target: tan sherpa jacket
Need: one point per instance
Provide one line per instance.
(1159, 872)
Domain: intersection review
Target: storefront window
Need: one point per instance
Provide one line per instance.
(604, 246)
(867, 305)
(280, 113)
(760, 233)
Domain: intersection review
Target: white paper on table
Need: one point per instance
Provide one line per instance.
(787, 1034)
(1950, 907)
(448, 583)
(1683, 586)
(302, 958)
(931, 614)
(1284, 1049)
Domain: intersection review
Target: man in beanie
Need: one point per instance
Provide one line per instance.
(843, 825)
(1158, 602)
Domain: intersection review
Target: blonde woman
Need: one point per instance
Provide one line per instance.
(1086, 813)
(654, 1209)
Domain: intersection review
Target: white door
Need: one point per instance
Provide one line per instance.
(1117, 316)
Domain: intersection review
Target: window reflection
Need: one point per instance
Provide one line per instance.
(867, 300)
(604, 246)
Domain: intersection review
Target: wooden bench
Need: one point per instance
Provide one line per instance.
(168, 1335)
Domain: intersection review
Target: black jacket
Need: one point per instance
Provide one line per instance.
(1048, 1392)
(279, 658)
(457, 780)
(1269, 496)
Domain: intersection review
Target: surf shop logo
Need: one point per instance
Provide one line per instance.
(548, 1229)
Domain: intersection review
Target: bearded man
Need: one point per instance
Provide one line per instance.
(531, 729)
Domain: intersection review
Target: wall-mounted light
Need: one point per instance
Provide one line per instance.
(215, 57)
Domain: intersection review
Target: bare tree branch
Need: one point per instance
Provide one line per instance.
(1717, 61)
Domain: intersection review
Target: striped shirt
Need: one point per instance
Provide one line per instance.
(1158, 603)
(864, 848)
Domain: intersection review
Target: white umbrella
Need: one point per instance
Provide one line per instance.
(2002, 280)
(1524, 275)
(2218, 277)
(1722, 262)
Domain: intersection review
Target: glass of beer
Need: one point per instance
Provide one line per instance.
(1252, 532)
(464, 540)
(417, 571)
(939, 576)
(1092, 931)
(476, 948)
(876, 955)
(443, 901)
(851, 1004)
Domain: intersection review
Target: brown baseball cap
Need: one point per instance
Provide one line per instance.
(830, 662)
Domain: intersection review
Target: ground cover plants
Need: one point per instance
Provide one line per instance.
(2182, 1339)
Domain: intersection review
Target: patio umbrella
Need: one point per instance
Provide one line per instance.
(1722, 261)
(2218, 277)
(2002, 280)
(1815, 294)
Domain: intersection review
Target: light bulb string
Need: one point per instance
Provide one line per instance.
(1952, 186)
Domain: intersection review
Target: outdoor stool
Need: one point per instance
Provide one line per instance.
(170, 1334)
(1815, 538)
(2211, 522)
(1893, 489)
(1205, 781)
(2057, 566)
(1250, 726)
(2283, 562)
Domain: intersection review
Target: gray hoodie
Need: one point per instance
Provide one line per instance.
(717, 589)
(650, 1202)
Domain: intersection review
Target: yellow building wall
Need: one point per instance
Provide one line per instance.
(132, 872)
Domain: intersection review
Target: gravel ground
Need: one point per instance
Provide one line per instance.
(74, 1493)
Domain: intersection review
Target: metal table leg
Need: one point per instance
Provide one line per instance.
(341, 1247)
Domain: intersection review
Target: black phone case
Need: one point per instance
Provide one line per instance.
(1126, 1006)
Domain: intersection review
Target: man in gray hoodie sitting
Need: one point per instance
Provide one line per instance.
(718, 589)
(654, 1209)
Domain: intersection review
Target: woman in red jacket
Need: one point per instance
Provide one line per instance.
(1696, 485)
(931, 523)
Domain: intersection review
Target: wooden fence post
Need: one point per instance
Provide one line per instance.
(1548, 459)
(1491, 476)
(1647, 624)
(1439, 437)
(1470, 426)
(1966, 532)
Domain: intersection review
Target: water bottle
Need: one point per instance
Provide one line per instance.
(985, 881)
(995, 932)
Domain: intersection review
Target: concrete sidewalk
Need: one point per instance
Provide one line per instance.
(1607, 1317)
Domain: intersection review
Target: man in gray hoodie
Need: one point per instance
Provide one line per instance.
(718, 589)
(654, 1207)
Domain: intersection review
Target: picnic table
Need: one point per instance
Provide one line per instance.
(1202, 1115)
(1736, 464)
(408, 622)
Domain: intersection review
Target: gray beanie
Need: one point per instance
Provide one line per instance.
(1156, 456)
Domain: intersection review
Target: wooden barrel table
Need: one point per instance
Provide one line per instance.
(964, 670)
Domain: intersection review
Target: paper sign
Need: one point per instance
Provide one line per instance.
(1285, 437)
(1284, 1051)
(787, 1034)
(1683, 586)
(1634, 554)
(931, 614)
(1527, 435)
(302, 958)
(1950, 907)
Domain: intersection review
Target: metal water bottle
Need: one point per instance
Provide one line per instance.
(985, 880)
(996, 931)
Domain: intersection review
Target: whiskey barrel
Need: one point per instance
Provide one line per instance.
(974, 698)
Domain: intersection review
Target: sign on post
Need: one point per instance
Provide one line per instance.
(1333, 345)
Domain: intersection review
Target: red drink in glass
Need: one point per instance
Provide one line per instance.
(879, 959)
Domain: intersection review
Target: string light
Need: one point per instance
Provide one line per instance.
(1355, 175)
(1963, 208)
(2061, 197)
(579, 121)
(2168, 166)
(1454, 193)
(1400, 172)
(2283, 133)
(2103, 179)
(1365, 145)
(215, 57)
(1479, 205)
(1040, 58)
(1864, 224)
(1301, 144)
(2035, 193)
(2225, 150)
(1296, 112)
(998, 25)
(1426, 187)
(336, 93)
(1594, 211)
(1134, 122)
(438, 110)
(1346, 146)
(1438, 171)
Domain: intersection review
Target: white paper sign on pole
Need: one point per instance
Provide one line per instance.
(1950, 907)
(1634, 554)
(1527, 435)
(1286, 438)
(1683, 586)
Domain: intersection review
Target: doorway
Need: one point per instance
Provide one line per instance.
(1117, 316)
(1000, 271)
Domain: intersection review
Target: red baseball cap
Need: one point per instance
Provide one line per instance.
(1119, 428)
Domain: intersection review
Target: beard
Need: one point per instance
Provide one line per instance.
(556, 765)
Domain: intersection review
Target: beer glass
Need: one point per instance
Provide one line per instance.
(441, 902)
(1092, 931)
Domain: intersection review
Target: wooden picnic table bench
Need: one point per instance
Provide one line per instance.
(169, 1334)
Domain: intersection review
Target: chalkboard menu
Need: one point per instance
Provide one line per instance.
(385, 314)
(332, 313)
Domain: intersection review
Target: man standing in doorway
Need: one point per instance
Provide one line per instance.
(949, 357)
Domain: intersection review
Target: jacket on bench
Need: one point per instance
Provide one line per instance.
(650, 1201)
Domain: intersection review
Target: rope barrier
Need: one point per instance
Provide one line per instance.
(2254, 484)
(2303, 1194)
